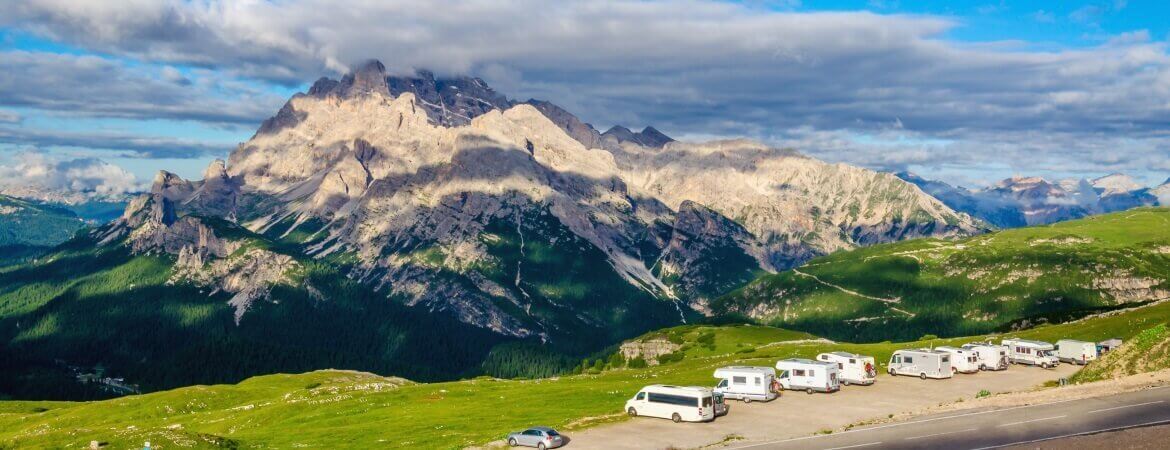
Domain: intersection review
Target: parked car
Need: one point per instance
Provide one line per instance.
(991, 356)
(539, 437)
(854, 368)
(1076, 352)
(677, 403)
(800, 374)
(1035, 353)
(922, 363)
(747, 383)
(962, 360)
(721, 406)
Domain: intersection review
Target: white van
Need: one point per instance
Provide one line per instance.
(962, 360)
(1076, 352)
(1035, 353)
(922, 363)
(853, 368)
(800, 374)
(687, 403)
(991, 356)
(747, 383)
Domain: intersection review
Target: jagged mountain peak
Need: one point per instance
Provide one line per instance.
(648, 137)
(1116, 183)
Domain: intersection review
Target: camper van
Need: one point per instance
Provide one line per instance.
(747, 383)
(677, 403)
(991, 356)
(799, 374)
(1035, 353)
(1076, 352)
(853, 368)
(1108, 345)
(962, 360)
(922, 363)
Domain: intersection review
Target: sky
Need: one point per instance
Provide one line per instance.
(98, 95)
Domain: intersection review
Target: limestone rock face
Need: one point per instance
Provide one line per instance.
(517, 218)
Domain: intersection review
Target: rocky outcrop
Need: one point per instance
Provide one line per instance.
(574, 127)
(648, 137)
(648, 349)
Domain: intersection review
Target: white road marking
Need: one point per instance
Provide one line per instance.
(1125, 406)
(1033, 420)
(1083, 433)
(940, 434)
(854, 446)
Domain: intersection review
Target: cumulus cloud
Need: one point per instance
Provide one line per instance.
(82, 175)
(688, 67)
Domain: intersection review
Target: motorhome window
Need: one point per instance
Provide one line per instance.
(946, 359)
(812, 373)
(852, 361)
(757, 381)
(909, 359)
(669, 399)
(798, 372)
(739, 380)
(706, 402)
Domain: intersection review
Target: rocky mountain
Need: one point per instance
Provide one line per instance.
(511, 219)
(1021, 201)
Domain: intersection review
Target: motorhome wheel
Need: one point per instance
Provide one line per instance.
(845, 382)
(747, 399)
(676, 418)
(808, 391)
(922, 375)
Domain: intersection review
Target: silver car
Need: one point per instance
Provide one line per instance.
(539, 437)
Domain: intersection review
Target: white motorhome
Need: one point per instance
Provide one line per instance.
(1076, 352)
(922, 363)
(991, 356)
(800, 374)
(1035, 353)
(962, 360)
(853, 368)
(747, 383)
(677, 403)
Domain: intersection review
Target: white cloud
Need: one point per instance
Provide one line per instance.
(688, 67)
(85, 175)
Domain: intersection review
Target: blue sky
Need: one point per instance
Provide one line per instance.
(967, 92)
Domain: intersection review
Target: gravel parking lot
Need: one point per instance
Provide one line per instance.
(798, 414)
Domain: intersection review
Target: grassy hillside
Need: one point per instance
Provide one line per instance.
(1000, 281)
(352, 410)
(1148, 351)
(28, 229)
(90, 311)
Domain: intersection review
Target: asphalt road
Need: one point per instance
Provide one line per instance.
(1141, 414)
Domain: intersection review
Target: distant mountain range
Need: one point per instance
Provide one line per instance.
(1021, 201)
